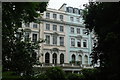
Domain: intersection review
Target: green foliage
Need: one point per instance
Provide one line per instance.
(42, 76)
(73, 76)
(104, 19)
(18, 56)
(90, 74)
(55, 73)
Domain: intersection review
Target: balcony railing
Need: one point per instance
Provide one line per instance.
(63, 65)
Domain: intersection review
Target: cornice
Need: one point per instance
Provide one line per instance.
(61, 22)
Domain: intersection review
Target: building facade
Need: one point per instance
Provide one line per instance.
(66, 42)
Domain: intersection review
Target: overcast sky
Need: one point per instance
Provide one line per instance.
(56, 4)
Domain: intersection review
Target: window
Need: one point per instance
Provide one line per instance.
(71, 10)
(47, 58)
(47, 26)
(54, 40)
(54, 16)
(54, 56)
(26, 36)
(61, 29)
(85, 43)
(61, 41)
(61, 58)
(86, 59)
(27, 24)
(73, 58)
(78, 30)
(77, 19)
(54, 27)
(71, 19)
(72, 30)
(72, 42)
(84, 31)
(34, 37)
(76, 11)
(34, 25)
(78, 43)
(80, 59)
(47, 15)
(61, 17)
(47, 39)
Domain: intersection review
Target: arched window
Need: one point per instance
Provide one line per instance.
(86, 59)
(73, 58)
(54, 58)
(80, 59)
(47, 58)
(61, 58)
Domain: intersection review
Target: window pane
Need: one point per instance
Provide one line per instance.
(72, 30)
(55, 40)
(54, 27)
(26, 36)
(61, 17)
(61, 58)
(34, 25)
(47, 26)
(47, 15)
(72, 42)
(54, 16)
(78, 30)
(61, 41)
(84, 43)
(34, 37)
(61, 29)
(79, 44)
(47, 39)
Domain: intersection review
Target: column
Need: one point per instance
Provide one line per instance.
(58, 58)
(50, 58)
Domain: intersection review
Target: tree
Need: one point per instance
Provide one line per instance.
(18, 56)
(55, 73)
(104, 19)
(74, 76)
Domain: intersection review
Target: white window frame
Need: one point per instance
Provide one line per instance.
(54, 27)
(78, 30)
(61, 41)
(47, 15)
(61, 28)
(54, 40)
(72, 42)
(47, 27)
(47, 40)
(34, 40)
(72, 30)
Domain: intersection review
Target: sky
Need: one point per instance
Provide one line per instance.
(56, 4)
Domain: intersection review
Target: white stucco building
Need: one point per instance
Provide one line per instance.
(66, 42)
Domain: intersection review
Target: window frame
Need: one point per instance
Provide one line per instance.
(47, 40)
(72, 30)
(72, 42)
(33, 37)
(54, 27)
(61, 41)
(54, 40)
(47, 15)
(61, 29)
(47, 27)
